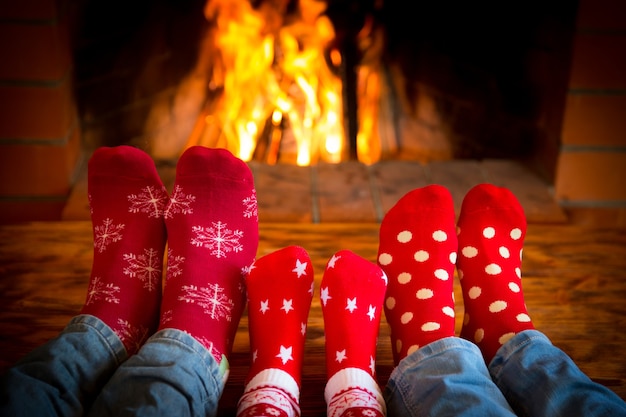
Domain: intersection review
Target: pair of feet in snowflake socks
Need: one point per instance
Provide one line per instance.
(280, 290)
(211, 228)
(419, 249)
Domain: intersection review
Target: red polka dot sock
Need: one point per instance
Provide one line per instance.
(352, 293)
(491, 231)
(280, 289)
(417, 251)
(127, 200)
(213, 236)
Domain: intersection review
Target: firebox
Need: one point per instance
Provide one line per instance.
(313, 81)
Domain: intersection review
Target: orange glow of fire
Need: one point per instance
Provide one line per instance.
(273, 74)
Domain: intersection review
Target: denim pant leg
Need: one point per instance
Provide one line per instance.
(448, 377)
(63, 376)
(539, 379)
(171, 375)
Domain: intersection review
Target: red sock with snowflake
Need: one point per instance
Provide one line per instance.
(352, 293)
(213, 236)
(127, 200)
(491, 230)
(280, 289)
(417, 251)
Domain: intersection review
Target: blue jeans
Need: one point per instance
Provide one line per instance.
(527, 377)
(85, 371)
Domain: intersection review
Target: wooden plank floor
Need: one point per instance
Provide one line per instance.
(355, 192)
(574, 281)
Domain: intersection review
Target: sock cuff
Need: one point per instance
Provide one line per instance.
(357, 383)
(277, 378)
(272, 386)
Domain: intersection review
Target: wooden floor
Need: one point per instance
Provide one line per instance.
(574, 282)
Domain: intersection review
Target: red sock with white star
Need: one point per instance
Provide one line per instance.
(213, 236)
(352, 293)
(417, 251)
(491, 229)
(127, 200)
(280, 289)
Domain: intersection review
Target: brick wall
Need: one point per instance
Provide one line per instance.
(39, 130)
(591, 171)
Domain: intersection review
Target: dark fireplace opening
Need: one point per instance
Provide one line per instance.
(461, 80)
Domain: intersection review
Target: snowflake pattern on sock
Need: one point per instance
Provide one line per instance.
(133, 336)
(180, 203)
(150, 200)
(127, 202)
(100, 290)
(251, 209)
(213, 236)
(174, 265)
(107, 233)
(214, 302)
(218, 238)
(146, 267)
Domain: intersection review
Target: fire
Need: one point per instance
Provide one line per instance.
(276, 74)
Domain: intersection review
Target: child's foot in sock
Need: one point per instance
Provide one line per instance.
(417, 251)
(280, 289)
(352, 292)
(127, 200)
(212, 241)
(491, 230)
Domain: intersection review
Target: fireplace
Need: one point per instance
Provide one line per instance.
(451, 80)
(542, 84)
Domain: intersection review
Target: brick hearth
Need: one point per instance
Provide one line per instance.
(354, 192)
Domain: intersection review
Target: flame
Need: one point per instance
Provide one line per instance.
(274, 71)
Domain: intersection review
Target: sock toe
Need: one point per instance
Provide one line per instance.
(201, 161)
(486, 197)
(122, 161)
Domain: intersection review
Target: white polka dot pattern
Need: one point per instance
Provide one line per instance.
(424, 293)
(405, 236)
(490, 240)
(384, 259)
(421, 252)
(421, 256)
(406, 317)
(404, 278)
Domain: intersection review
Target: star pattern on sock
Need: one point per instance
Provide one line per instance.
(280, 285)
(351, 288)
(285, 354)
(300, 268)
(287, 306)
(324, 295)
(351, 304)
